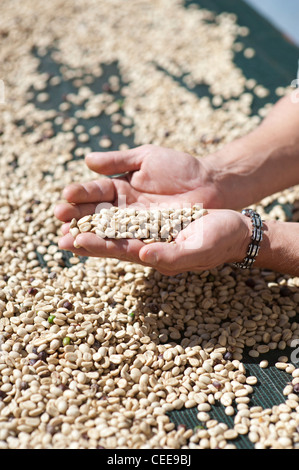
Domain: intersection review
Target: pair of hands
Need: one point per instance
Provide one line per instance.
(156, 175)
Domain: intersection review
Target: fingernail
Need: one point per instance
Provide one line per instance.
(151, 257)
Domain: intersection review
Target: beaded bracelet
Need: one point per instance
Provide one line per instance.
(256, 237)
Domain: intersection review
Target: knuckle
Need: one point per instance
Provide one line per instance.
(147, 148)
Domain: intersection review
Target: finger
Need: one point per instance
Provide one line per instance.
(123, 249)
(65, 228)
(116, 162)
(67, 243)
(92, 191)
(66, 212)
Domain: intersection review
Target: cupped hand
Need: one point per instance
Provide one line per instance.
(221, 236)
(150, 175)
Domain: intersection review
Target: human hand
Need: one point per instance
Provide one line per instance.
(153, 175)
(221, 236)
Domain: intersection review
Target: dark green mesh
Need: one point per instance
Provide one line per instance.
(267, 393)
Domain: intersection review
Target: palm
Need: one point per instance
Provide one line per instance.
(166, 172)
(166, 176)
(151, 175)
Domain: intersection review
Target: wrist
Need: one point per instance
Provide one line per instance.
(234, 170)
(278, 248)
(255, 166)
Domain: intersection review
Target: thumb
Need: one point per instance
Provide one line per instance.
(115, 162)
(170, 257)
(178, 256)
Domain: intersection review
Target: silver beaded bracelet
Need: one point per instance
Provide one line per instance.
(256, 237)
